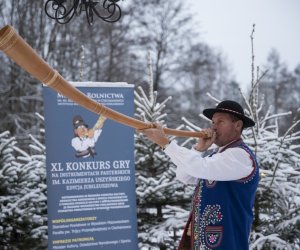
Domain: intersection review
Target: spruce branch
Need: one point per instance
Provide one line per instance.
(288, 132)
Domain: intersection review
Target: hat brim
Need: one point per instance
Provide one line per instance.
(81, 124)
(247, 122)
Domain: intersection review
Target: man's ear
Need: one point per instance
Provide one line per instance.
(239, 125)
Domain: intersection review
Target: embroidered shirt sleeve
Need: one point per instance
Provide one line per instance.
(232, 164)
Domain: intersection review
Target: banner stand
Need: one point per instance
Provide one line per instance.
(90, 171)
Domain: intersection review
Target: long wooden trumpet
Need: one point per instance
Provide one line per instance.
(21, 53)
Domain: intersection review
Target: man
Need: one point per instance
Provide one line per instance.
(226, 180)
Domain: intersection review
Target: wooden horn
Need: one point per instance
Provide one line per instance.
(21, 53)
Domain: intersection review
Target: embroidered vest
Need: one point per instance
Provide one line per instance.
(222, 214)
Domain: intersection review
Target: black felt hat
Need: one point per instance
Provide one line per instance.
(78, 121)
(230, 107)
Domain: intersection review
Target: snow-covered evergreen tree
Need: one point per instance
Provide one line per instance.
(159, 194)
(277, 207)
(23, 201)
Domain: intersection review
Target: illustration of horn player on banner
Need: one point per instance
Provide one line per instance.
(85, 139)
(90, 171)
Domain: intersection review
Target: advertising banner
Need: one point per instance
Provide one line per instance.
(90, 171)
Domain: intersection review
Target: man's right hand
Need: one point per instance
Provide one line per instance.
(204, 143)
(90, 133)
(157, 135)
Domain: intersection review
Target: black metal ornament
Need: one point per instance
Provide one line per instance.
(62, 11)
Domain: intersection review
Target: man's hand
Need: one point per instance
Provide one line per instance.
(157, 135)
(90, 133)
(100, 122)
(204, 143)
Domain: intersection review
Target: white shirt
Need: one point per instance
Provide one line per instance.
(232, 164)
(81, 144)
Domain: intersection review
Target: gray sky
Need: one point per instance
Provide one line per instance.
(227, 25)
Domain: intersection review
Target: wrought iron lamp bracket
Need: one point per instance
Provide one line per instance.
(62, 11)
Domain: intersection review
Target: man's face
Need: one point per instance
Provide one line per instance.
(226, 129)
(81, 131)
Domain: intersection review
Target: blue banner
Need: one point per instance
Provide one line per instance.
(90, 171)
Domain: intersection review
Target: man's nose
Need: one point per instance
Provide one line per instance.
(214, 127)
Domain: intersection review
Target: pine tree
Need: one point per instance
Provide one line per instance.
(23, 200)
(158, 193)
(277, 206)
